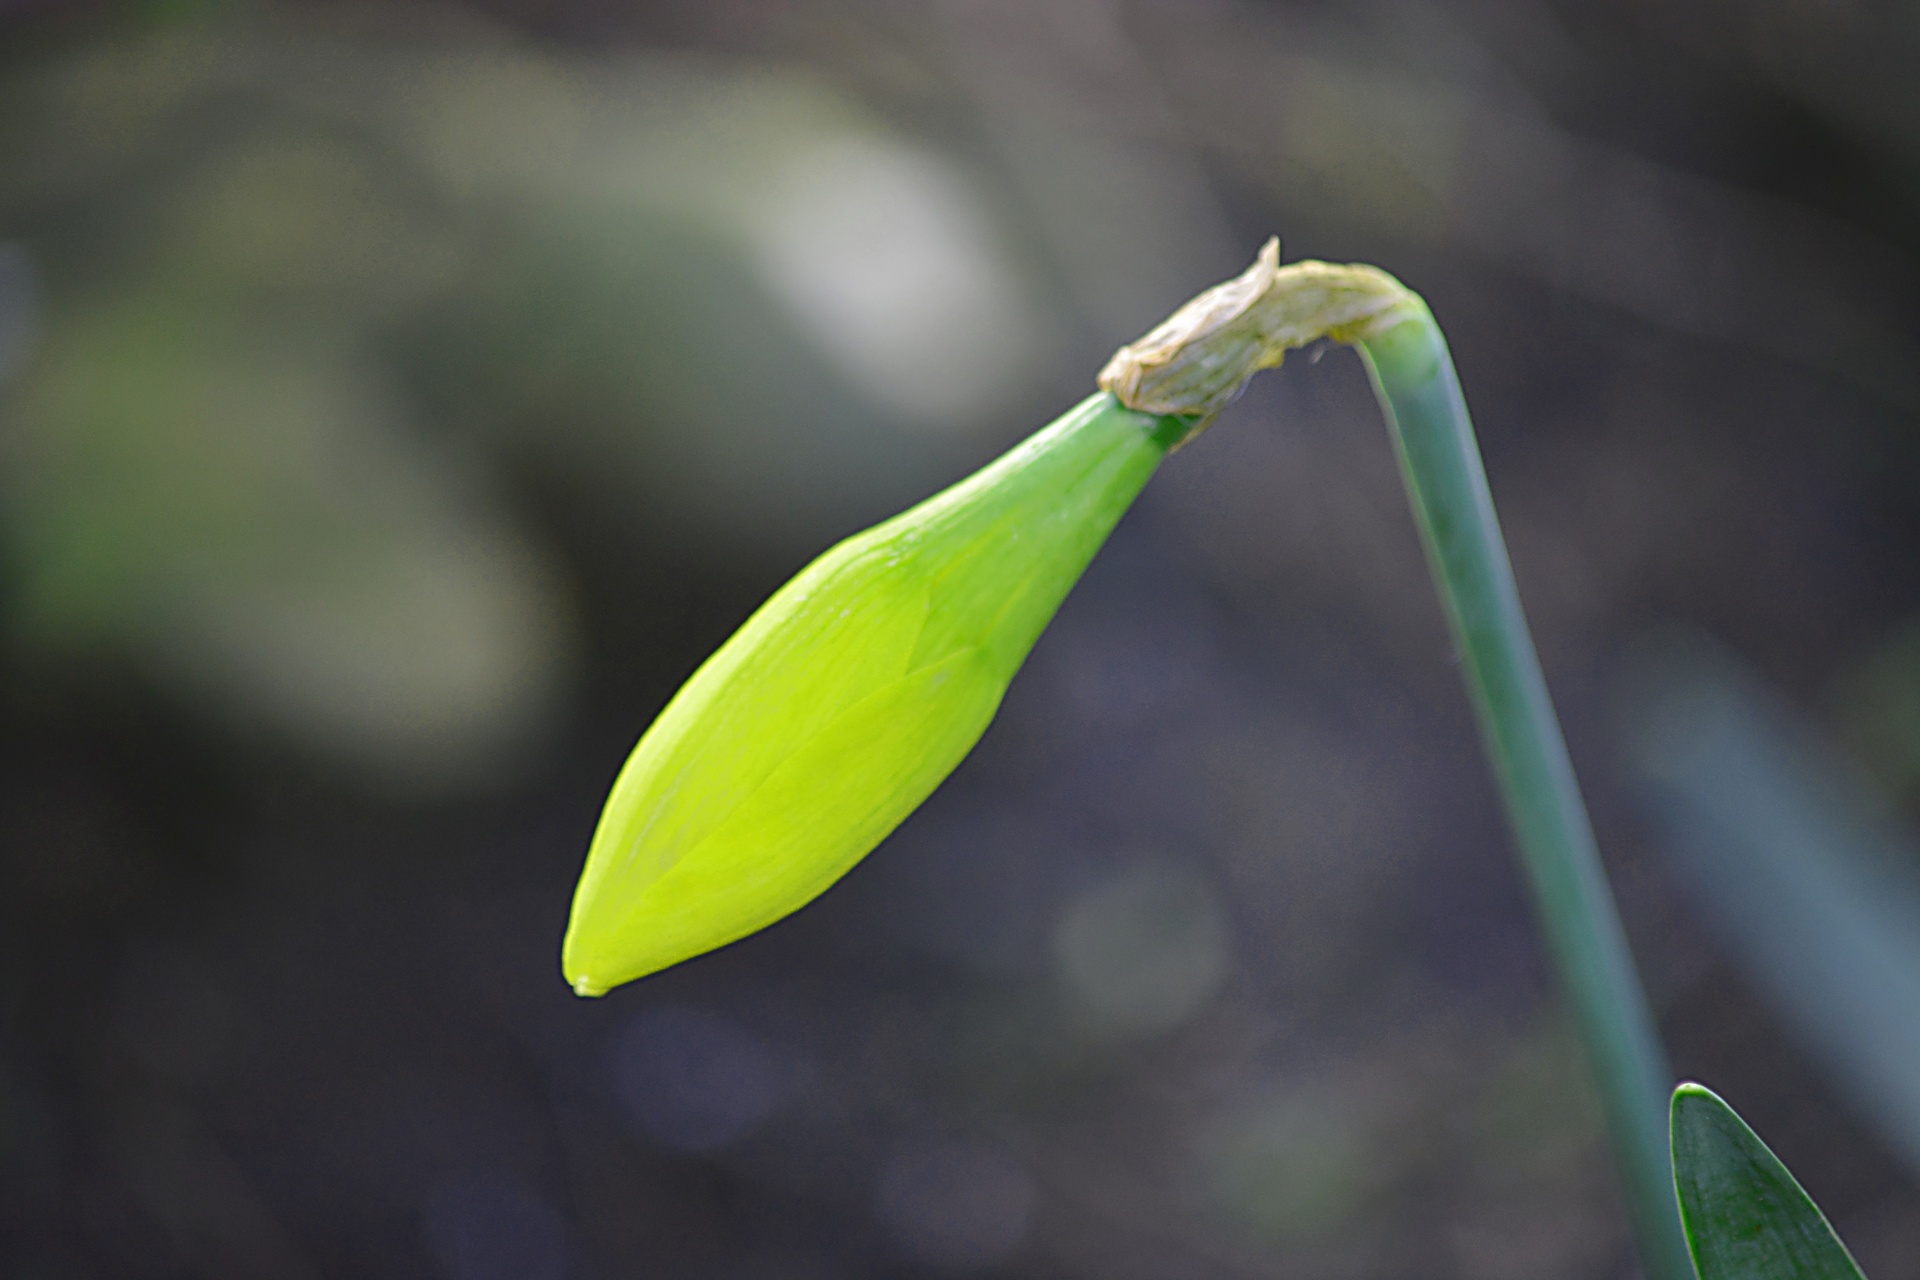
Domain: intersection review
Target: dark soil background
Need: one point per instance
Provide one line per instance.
(397, 403)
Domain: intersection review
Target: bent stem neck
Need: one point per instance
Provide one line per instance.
(1197, 361)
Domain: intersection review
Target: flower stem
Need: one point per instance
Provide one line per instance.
(1414, 378)
(1191, 366)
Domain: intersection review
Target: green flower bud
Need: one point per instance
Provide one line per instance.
(846, 699)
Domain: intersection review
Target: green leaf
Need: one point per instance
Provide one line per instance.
(1746, 1218)
(845, 700)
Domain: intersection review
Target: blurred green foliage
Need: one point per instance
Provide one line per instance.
(297, 284)
(1799, 861)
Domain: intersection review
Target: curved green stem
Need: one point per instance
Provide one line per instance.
(1413, 376)
(1196, 362)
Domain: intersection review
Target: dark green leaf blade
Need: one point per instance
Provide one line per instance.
(1746, 1218)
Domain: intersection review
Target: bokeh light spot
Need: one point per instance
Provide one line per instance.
(490, 1226)
(956, 1206)
(693, 1078)
(1141, 952)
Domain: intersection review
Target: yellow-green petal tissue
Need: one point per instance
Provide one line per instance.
(846, 699)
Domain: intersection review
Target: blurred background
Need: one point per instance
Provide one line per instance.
(396, 403)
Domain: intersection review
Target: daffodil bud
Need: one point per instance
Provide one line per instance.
(846, 699)
(858, 687)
